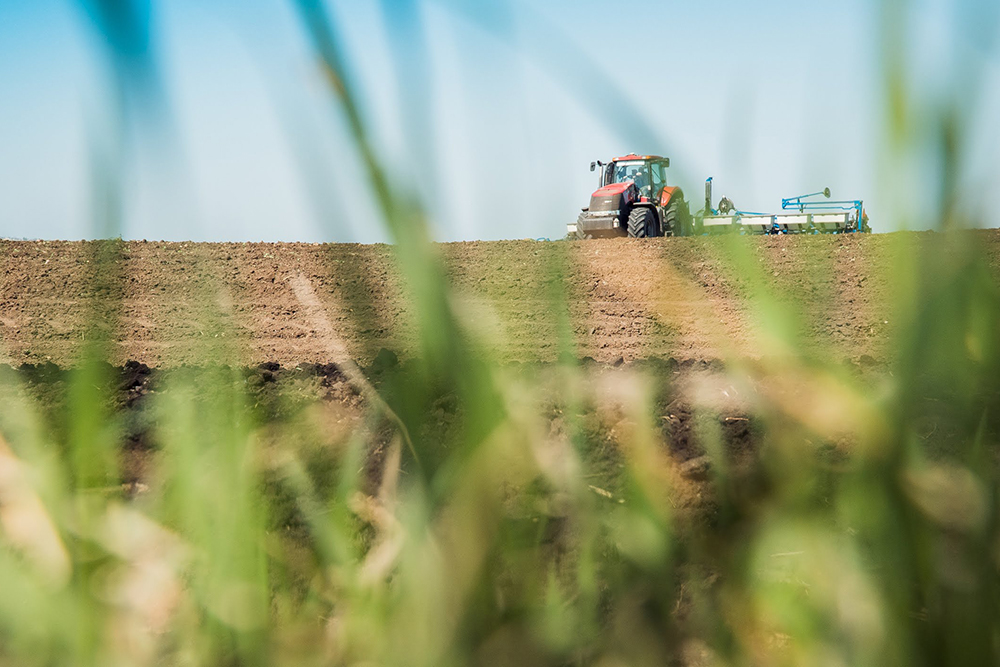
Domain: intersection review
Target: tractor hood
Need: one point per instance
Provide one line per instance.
(612, 197)
(612, 189)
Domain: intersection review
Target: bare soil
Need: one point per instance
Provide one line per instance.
(686, 298)
(686, 394)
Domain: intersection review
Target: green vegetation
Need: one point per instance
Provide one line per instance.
(476, 513)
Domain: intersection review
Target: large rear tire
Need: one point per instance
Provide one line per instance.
(642, 223)
(677, 217)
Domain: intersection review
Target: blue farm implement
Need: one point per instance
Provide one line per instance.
(813, 213)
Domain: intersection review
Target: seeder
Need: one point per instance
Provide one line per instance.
(807, 214)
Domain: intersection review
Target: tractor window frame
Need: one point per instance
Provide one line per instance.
(662, 167)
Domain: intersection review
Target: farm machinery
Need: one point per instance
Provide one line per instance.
(634, 199)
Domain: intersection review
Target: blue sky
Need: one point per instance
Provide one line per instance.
(491, 111)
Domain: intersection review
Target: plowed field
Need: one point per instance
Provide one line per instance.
(682, 298)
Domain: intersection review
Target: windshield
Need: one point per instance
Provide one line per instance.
(638, 172)
(649, 176)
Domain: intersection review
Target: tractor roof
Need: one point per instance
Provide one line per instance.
(633, 156)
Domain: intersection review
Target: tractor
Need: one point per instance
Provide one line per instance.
(633, 199)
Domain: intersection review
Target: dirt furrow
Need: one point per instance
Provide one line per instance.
(723, 318)
(617, 313)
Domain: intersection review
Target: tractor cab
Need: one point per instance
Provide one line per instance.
(649, 173)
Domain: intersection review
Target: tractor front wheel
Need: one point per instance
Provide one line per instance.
(579, 234)
(642, 223)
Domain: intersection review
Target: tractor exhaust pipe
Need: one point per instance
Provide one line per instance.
(708, 196)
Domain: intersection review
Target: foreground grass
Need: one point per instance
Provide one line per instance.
(783, 510)
(453, 510)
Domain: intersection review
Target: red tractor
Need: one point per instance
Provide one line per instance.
(634, 200)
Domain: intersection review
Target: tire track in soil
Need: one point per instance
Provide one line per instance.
(364, 289)
(356, 285)
(179, 306)
(806, 270)
(615, 280)
(262, 275)
(507, 294)
(861, 310)
(638, 304)
(721, 325)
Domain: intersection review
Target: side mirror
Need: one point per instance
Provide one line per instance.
(593, 165)
(826, 192)
(666, 162)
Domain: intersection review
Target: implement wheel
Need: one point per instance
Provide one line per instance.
(642, 223)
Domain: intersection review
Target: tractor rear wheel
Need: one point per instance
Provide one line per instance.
(677, 217)
(642, 223)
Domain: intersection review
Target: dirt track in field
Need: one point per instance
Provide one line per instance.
(691, 298)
